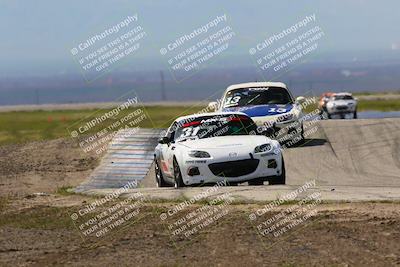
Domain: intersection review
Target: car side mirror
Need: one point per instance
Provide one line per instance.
(300, 99)
(213, 105)
(164, 140)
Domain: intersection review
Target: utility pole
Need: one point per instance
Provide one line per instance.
(37, 96)
(163, 96)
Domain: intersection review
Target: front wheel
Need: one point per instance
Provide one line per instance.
(302, 138)
(280, 179)
(178, 182)
(159, 176)
(355, 115)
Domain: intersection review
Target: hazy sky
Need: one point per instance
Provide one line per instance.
(42, 32)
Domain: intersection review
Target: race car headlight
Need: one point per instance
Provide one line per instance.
(263, 148)
(199, 154)
(287, 117)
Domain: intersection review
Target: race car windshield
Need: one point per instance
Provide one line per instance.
(257, 96)
(343, 97)
(206, 127)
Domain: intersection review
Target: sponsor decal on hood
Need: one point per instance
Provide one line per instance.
(261, 110)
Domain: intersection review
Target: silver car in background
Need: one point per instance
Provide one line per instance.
(341, 104)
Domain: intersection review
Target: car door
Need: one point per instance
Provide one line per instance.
(167, 155)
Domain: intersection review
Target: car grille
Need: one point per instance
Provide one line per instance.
(234, 168)
(341, 107)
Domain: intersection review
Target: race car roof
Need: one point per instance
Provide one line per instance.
(256, 84)
(193, 116)
(327, 94)
(343, 93)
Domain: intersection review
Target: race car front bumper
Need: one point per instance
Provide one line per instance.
(337, 110)
(241, 169)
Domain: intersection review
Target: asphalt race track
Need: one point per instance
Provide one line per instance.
(347, 159)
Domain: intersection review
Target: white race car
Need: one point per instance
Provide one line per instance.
(213, 147)
(270, 105)
(341, 104)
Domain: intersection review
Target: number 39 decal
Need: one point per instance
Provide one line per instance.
(277, 110)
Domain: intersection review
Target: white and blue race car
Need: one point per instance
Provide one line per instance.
(214, 147)
(270, 105)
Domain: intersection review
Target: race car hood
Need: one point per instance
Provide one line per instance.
(261, 110)
(222, 142)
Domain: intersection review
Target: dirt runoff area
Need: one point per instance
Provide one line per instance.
(38, 228)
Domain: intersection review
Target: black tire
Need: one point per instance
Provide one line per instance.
(302, 138)
(297, 139)
(256, 181)
(159, 176)
(325, 114)
(355, 115)
(177, 175)
(280, 179)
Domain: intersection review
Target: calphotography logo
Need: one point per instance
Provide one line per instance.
(193, 51)
(188, 219)
(280, 217)
(108, 214)
(102, 51)
(282, 50)
(95, 132)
